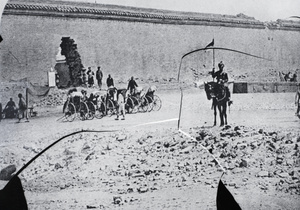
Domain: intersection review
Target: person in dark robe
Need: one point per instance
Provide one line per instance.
(131, 86)
(110, 81)
(10, 109)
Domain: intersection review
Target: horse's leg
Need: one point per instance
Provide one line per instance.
(215, 113)
(225, 112)
(221, 114)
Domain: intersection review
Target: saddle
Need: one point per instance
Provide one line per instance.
(214, 90)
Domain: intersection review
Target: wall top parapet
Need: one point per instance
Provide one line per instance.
(112, 12)
(69, 9)
(284, 25)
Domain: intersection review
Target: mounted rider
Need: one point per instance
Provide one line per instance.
(222, 79)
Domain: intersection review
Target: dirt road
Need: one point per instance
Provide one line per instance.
(88, 170)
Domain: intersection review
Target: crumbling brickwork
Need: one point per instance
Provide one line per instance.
(73, 59)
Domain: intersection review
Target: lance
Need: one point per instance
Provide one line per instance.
(213, 62)
(218, 48)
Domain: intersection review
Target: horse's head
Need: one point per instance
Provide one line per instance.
(208, 89)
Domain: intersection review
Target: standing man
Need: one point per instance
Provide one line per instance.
(110, 81)
(99, 76)
(120, 105)
(22, 108)
(131, 86)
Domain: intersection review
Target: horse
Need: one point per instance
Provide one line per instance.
(217, 92)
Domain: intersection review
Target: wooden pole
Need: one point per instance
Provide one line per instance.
(180, 108)
(213, 63)
(27, 100)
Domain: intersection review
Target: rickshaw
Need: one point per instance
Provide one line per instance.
(96, 104)
(75, 107)
(154, 101)
(140, 100)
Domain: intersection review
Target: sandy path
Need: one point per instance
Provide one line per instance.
(19, 142)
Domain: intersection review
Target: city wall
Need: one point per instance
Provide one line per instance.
(144, 43)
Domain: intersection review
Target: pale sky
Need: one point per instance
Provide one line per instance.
(263, 10)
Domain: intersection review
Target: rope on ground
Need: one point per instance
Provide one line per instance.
(195, 140)
(156, 122)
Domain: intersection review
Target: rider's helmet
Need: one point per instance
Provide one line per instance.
(221, 65)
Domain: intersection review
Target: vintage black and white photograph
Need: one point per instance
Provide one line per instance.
(158, 104)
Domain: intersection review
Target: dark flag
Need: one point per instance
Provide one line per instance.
(211, 44)
(295, 17)
(12, 195)
(1, 39)
(225, 201)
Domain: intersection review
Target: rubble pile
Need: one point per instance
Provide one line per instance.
(56, 97)
(127, 164)
(273, 157)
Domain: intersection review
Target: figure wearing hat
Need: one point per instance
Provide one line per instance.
(222, 78)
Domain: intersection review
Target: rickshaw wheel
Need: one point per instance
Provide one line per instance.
(83, 111)
(110, 108)
(129, 106)
(100, 110)
(70, 112)
(92, 110)
(144, 105)
(135, 104)
(150, 101)
(157, 103)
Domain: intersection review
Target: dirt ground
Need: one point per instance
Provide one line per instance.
(149, 164)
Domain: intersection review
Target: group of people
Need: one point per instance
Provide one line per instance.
(99, 78)
(90, 77)
(12, 111)
(118, 96)
(121, 96)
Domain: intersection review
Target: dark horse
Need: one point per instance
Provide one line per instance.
(217, 93)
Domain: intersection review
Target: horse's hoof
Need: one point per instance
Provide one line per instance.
(221, 125)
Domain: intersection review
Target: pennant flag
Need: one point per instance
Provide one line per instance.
(12, 195)
(211, 44)
(1, 39)
(295, 17)
(225, 201)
